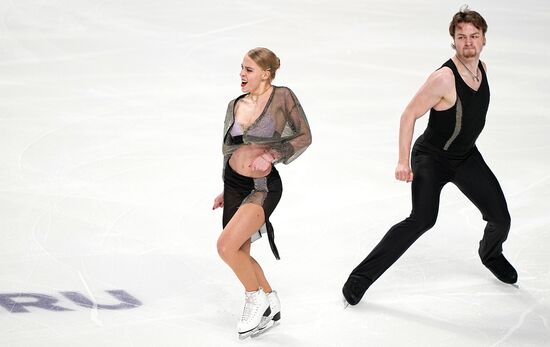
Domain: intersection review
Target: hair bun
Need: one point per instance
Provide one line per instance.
(265, 59)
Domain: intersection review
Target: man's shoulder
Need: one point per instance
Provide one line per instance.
(443, 72)
(442, 78)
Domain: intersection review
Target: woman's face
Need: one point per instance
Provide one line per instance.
(252, 75)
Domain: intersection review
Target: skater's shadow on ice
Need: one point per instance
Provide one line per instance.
(492, 327)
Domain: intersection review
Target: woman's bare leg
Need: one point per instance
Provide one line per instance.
(247, 220)
(260, 276)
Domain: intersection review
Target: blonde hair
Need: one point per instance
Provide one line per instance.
(265, 59)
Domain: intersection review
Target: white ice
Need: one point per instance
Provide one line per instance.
(111, 116)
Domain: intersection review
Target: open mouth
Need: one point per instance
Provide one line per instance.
(243, 83)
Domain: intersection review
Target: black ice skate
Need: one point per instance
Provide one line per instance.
(354, 289)
(502, 269)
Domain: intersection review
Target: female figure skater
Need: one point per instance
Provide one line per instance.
(264, 126)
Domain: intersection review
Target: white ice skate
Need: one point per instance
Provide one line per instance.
(256, 308)
(273, 318)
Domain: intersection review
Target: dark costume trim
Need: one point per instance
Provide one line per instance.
(263, 191)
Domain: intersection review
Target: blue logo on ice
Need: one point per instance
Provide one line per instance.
(19, 302)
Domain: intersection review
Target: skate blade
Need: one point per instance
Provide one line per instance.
(272, 324)
(261, 325)
(243, 336)
(247, 334)
(345, 302)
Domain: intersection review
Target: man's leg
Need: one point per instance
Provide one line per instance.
(476, 180)
(429, 179)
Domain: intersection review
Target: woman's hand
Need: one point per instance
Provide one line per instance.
(403, 172)
(218, 201)
(263, 162)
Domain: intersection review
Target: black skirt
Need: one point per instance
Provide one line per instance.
(263, 191)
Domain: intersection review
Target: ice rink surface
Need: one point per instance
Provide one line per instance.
(111, 114)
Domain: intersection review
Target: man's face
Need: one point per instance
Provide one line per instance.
(469, 40)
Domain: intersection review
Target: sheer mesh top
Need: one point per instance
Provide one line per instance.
(282, 126)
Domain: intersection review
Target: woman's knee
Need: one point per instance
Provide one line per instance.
(225, 250)
(246, 247)
(227, 246)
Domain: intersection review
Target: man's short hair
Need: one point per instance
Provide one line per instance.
(465, 15)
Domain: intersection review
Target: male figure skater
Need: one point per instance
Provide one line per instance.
(457, 96)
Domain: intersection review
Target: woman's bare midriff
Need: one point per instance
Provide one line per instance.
(243, 157)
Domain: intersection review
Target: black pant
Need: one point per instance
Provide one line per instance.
(431, 172)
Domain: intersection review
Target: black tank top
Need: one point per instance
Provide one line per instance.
(455, 130)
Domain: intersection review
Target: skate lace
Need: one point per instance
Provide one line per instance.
(248, 308)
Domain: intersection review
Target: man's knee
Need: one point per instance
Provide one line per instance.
(501, 222)
(506, 221)
(429, 222)
(423, 223)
